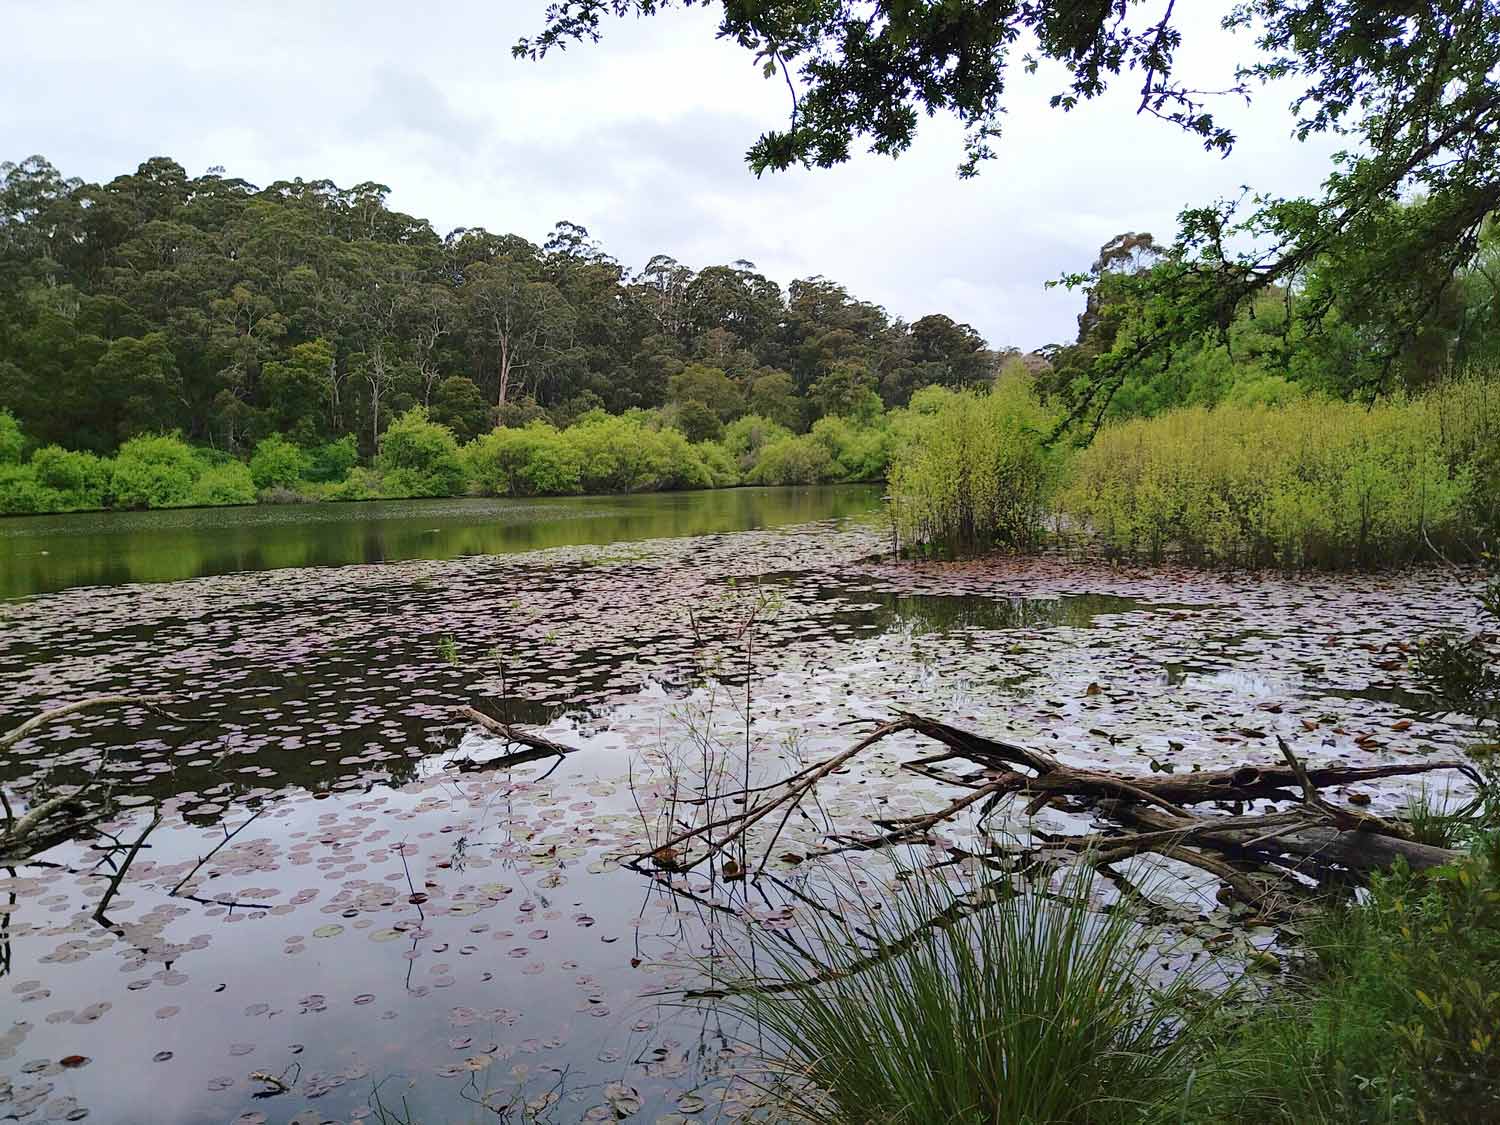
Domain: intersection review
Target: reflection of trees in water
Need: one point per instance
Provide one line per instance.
(929, 613)
(115, 548)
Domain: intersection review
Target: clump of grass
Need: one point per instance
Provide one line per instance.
(1031, 1007)
(1431, 820)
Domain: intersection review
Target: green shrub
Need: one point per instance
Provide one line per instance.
(745, 437)
(12, 440)
(1017, 1008)
(795, 460)
(1394, 1017)
(358, 484)
(20, 494)
(1311, 483)
(154, 472)
(229, 483)
(860, 453)
(277, 463)
(533, 460)
(974, 469)
(333, 460)
(722, 468)
(674, 462)
(419, 457)
(73, 480)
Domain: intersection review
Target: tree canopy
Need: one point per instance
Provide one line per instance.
(1413, 86)
(229, 312)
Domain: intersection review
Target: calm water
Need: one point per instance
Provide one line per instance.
(45, 553)
(306, 878)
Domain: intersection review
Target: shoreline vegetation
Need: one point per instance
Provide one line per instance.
(1306, 482)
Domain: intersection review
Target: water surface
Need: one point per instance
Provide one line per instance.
(44, 553)
(325, 894)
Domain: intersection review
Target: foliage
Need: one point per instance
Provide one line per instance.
(695, 421)
(1011, 1007)
(1393, 1019)
(154, 472)
(71, 480)
(975, 471)
(531, 461)
(871, 71)
(859, 452)
(277, 463)
(20, 495)
(745, 437)
(12, 441)
(710, 387)
(1413, 87)
(774, 397)
(332, 460)
(1307, 484)
(624, 454)
(419, 457)
(229, 312)
(459, 404)
(795, 460)
(228, 483)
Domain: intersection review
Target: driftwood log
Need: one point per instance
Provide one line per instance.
(1274, 859)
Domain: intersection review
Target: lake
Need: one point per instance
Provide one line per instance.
(319, 892)
(44, 553)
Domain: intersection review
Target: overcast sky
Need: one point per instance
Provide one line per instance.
(640, 138)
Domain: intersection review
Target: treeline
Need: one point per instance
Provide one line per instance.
(226, 313)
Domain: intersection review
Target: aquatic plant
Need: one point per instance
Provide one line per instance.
(975, 470)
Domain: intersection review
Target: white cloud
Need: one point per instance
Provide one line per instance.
(640, 138)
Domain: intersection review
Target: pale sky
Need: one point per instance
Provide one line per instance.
(640, 138)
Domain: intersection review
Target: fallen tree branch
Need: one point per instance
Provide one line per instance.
(14, 735)
(537, 746)
(1259, 858)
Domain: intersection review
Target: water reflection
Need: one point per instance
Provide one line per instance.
(46, 553)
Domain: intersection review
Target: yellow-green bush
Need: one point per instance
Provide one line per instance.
(973, 470)
(1307, 483)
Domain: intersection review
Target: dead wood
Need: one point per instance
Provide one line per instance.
(14, 735)
(65, 816)
(537, 747)
(1270, 860)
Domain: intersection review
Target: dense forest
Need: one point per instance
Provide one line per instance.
(161, 302)
(169, 341)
